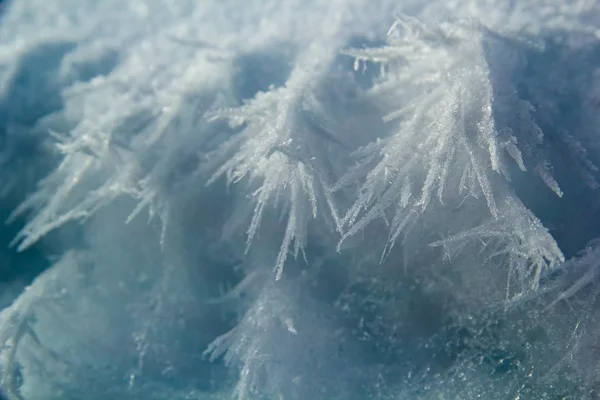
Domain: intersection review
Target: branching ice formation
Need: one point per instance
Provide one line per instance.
(448, 107)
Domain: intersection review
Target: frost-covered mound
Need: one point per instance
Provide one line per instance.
(300, 199)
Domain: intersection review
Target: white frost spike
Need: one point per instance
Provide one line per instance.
(517, 239)
(587, 266)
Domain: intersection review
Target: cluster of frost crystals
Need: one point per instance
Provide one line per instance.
(458, 112)
(346, 199)
(282, 147)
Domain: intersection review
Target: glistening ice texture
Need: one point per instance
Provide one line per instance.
(300, 199)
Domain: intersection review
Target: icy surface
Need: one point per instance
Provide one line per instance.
(299, 199)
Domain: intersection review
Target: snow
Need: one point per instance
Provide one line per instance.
(293, 199)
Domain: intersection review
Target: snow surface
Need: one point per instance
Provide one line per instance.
(299, 199)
